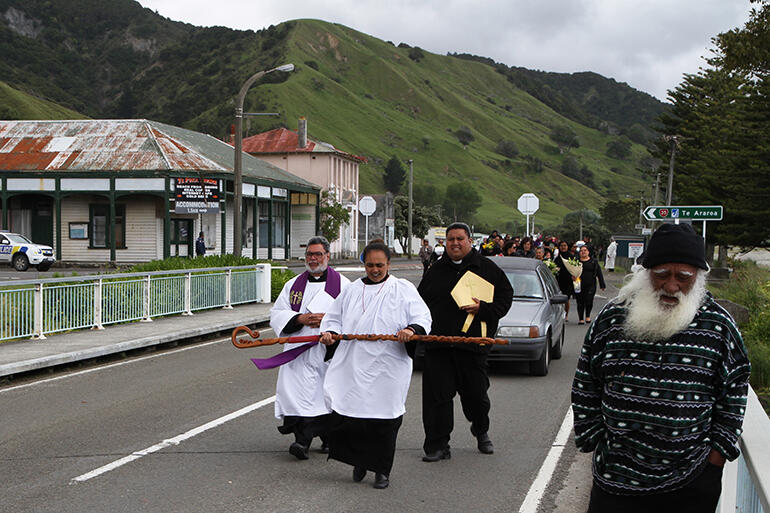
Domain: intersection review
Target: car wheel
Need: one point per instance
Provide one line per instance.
(540, 367)
(556, 354)
(43, 267)
(20, 262)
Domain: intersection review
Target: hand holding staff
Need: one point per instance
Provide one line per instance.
(256, 342)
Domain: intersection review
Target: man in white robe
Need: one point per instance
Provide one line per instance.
(368, 381)
(298, 311)
(612, 251)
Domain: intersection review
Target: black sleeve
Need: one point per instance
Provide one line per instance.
(331, 349)
(411, 346)
(599, 274)
(293, 325)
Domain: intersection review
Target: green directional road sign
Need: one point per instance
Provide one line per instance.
(693, 213)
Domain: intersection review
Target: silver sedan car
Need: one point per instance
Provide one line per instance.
(534, 325)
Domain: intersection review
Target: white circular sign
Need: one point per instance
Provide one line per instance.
(367, 205)
(528, 204)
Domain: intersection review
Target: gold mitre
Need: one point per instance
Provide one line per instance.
(472, 285)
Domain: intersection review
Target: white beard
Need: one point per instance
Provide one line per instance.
(320, 268)
(648, 319)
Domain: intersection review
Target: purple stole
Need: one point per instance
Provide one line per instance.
(296, 294)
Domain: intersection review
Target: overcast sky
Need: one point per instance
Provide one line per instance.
(648, 44)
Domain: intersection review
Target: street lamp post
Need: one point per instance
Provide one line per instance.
(237, 164)
(669, 192)
(409, 216)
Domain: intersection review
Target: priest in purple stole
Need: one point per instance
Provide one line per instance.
(298, 311)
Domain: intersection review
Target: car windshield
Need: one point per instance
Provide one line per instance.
(17, 238)
(525, 284)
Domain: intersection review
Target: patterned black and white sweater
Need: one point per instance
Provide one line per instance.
(652, 411)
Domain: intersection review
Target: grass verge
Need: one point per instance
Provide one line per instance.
(749, 286)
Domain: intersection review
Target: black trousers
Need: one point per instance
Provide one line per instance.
(699, 496)
(445, 373)
(585, 302)
(305, 428)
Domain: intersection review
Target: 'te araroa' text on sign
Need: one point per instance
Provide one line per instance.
(697, 213)
(196, 196)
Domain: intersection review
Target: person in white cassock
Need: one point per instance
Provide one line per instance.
(298, 310)
(367, 381)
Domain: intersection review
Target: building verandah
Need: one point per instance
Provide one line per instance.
(131, 214)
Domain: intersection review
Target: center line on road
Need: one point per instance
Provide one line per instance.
(537, 489)
(172, 441)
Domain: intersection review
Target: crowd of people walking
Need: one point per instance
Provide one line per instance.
(582, 253)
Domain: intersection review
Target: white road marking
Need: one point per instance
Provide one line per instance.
(537, 489)
(108, 366)
(350, 269)
(172, 441)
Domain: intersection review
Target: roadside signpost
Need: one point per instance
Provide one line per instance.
(703, 213)
(367, 206)
(528, 205)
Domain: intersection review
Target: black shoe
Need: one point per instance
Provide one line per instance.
(441, 454)
(359, 473)
(324, 448)
(298, 450)
(485, 444)
(380, 481)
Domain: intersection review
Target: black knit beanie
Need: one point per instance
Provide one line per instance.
(675, 243)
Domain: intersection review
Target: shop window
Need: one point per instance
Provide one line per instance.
(264, 223)
(279, 224)
(100, 226)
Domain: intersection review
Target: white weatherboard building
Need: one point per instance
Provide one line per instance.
(136, 190)
(320, 163)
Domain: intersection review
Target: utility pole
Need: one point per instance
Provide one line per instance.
(673, 140)
(409, 217)
(657, 189)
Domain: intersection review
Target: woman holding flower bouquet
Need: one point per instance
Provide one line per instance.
(564, 277)
(585, 297)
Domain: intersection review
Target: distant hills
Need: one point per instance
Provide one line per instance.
(461, 118)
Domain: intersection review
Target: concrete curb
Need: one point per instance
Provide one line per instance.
(119, 347)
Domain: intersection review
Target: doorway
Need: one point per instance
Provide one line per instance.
(181, 237)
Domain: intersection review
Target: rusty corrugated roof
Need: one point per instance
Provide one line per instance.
(283, 140)
(122, 145)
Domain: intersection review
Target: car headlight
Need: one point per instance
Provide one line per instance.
(519, 331)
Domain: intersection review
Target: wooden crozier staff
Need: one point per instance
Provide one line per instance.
(256, 341)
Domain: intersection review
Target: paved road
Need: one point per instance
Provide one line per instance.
(57, 430)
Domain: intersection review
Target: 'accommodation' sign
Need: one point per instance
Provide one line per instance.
(196, 196)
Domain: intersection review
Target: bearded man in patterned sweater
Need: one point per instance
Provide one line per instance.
(660, 388)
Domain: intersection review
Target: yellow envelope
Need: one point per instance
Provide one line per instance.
(472, 285)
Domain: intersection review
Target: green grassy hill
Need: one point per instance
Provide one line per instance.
(15, 104)
(369, 97)
(363, 95)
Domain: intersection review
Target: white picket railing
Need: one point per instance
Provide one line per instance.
(36, 308)
(746, 481)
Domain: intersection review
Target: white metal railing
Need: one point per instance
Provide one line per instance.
(35, 308)
(746, 481)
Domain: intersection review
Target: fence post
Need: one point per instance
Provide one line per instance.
(229, 290)
(38, 307)
(263, 286)
(146, 300)
(98, 305)
(187, 294)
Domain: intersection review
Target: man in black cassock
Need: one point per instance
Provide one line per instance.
(458, 368)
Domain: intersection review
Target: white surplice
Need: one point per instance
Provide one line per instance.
(299, 390)
(370, 379)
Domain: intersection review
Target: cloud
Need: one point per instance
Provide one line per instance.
(647, 44)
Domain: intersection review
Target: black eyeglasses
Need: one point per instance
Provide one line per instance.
(315, 254)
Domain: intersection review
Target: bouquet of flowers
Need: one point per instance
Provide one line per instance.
(552, 266)
(573, 266)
